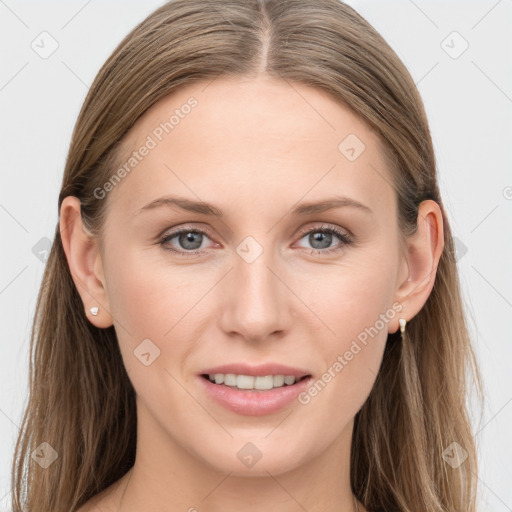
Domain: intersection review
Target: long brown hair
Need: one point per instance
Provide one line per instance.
(81, 400)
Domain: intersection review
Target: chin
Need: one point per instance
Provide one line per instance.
(257, 457)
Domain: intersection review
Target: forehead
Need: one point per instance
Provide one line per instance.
(261, 139)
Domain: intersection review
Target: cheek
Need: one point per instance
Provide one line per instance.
(154, 300)
(350, 298)
(355, 308)
(146, 293)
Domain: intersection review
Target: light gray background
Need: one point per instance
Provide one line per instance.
(469, 104)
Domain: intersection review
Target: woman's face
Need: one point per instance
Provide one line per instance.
(261, 281)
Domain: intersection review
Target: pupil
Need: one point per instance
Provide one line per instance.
(191, 240)
(188, 238)
(326, 237)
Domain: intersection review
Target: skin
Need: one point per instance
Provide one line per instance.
(254, 147)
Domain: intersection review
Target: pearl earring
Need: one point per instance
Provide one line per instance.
(402, 322)
(94, 310)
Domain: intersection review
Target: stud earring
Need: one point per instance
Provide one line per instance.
(402, 322)
(94, 310)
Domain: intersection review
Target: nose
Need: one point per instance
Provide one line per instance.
(256, 303)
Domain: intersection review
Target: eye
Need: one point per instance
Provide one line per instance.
(321, 238)
(188, 240)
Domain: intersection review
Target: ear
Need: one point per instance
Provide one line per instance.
(424, 249)
(84, 260)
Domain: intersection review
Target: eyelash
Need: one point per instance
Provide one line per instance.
(344, 237)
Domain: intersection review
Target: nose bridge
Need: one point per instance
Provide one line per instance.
(255, 301)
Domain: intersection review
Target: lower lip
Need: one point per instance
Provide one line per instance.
(254, 402)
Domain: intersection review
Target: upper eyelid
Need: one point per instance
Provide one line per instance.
(171, 233)
(326, 227)
(175, 231)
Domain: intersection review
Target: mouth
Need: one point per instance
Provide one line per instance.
(250, 390)
(253, 382)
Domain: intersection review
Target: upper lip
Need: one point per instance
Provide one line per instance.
(257, 370)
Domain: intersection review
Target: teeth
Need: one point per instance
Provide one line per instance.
(278, 380)
(230, 379)
(289, 380)
(251, 382)
(266, 382)
(245, 382)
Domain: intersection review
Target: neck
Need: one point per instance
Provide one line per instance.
(166, 476)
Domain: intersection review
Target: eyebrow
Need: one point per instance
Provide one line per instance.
(204, 208)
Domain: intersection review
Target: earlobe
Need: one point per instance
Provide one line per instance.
(84, 261)
(424, 250)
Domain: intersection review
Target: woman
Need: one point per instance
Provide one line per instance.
(252, 299)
